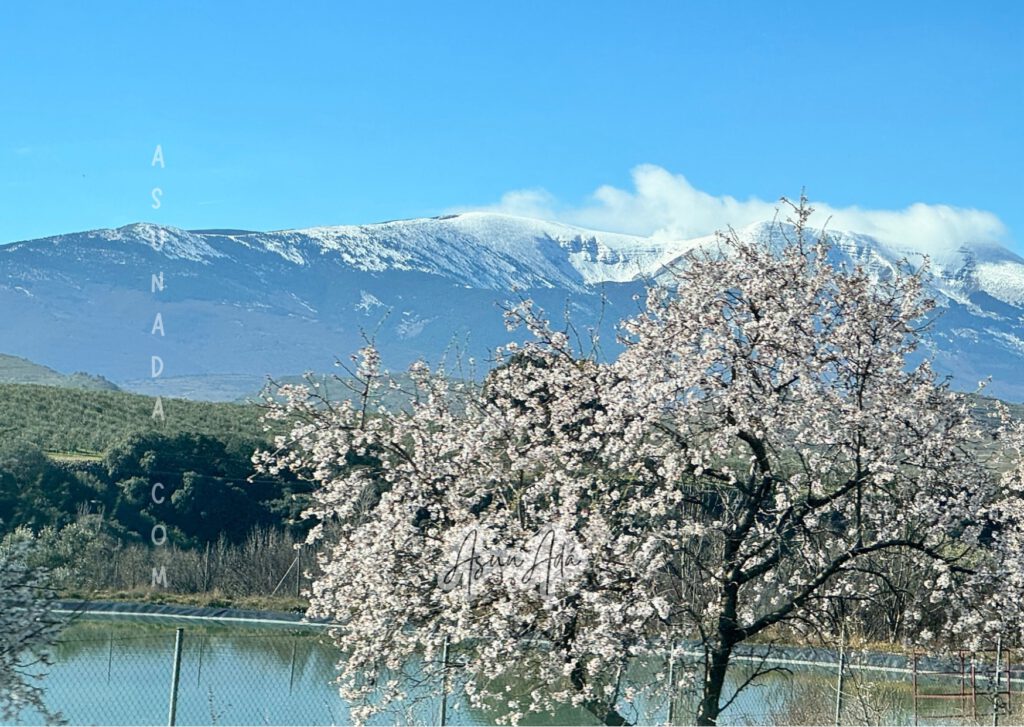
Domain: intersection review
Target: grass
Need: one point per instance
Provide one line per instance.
(213, 599)
(74, 456)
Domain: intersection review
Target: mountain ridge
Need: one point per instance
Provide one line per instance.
(498, 242)
(252, 303)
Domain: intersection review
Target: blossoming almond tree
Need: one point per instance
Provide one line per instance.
(759, 451)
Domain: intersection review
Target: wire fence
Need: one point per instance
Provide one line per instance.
(224, 677)
(121, 673)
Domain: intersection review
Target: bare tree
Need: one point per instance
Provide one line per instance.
(28, 627)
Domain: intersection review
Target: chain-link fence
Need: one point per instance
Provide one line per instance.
(117, 672)
(110, 674)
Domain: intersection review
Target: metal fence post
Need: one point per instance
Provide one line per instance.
(974, 689)
(291, 675)
(963, 684)
(1009, 682)
(110, 655)
(443, 716)
(996, 696)
(839, 679)
(671, 684)
(172, 710)
(915, 686)
(199, 667)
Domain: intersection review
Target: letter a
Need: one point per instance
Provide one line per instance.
(158, 325)
(158, 410)
(158, 156)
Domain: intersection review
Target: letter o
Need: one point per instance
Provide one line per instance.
(163, 537)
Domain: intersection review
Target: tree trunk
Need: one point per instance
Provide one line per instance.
(728, 637)
(605, 713)
(714, 681)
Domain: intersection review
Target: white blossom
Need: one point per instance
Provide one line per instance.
(763, 447)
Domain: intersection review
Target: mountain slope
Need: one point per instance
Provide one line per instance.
(238, 305)
(16, 370)
(81, 420)
(250, 304)
(478, 250)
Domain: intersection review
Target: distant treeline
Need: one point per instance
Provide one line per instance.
(67, 453)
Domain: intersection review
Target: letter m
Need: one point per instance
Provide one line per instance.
(160, 578)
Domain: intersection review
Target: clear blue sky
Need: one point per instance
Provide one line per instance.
(288, 114)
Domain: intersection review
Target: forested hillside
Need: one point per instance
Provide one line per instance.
(66, 452)
(17, 370)
(58, 419)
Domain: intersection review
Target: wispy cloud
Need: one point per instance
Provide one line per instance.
(666, 205)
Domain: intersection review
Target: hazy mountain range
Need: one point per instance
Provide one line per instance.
(238, 305)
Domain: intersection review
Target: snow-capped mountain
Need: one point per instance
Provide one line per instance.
(238, 305)
(978, 326)
(478, 250)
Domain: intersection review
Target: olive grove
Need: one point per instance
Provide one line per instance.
(769, 447)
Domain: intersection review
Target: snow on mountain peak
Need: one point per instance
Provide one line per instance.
(479, 249)
(957, 272)
(421, 284)
(172, 242)
(494, 251)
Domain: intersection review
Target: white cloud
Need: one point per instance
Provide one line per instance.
(666, 205)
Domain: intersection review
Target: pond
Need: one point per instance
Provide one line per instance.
(118, 672)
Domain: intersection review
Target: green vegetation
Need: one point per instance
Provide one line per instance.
(205, 489)
(78, 469)
(86, 562)
(14, 369)
(57, 419)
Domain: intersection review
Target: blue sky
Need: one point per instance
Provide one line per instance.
(271, 116)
